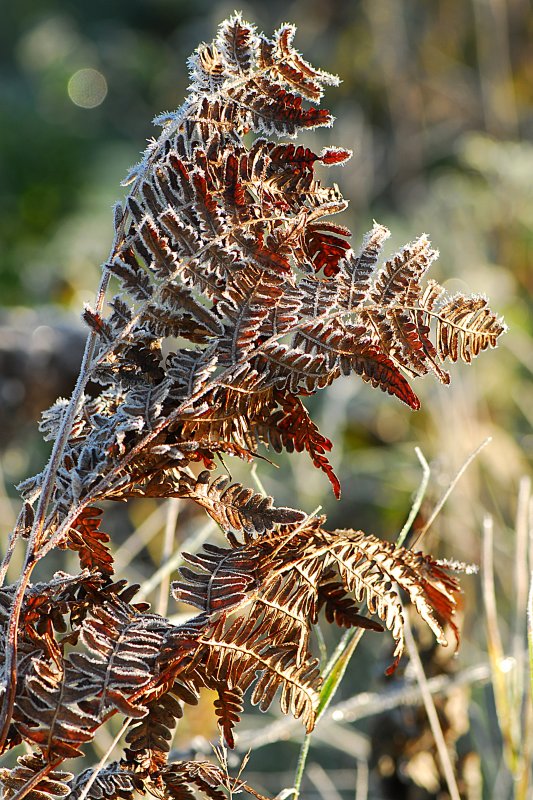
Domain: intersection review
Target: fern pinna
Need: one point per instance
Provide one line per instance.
(237, 298)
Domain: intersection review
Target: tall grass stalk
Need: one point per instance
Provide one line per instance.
(512, 694)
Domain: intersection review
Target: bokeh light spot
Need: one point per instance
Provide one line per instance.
(87, 88)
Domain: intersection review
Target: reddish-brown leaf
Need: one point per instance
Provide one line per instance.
(86, 538)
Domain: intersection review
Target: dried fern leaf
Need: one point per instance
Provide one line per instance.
(465, 327)
(113, 782)
(53, 783)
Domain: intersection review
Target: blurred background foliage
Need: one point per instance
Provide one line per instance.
(437, 104)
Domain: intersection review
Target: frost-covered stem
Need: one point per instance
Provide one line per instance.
(66, 424)
(10, 664)
(10, 667)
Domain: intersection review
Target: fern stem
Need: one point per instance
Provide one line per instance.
(10, 664)
(66, 423)
(37, 528)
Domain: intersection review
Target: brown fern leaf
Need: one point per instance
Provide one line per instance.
(220, 244)
(293, 429)
(180, 778)
(250, 305)
(398, 280)
(235, 578)
(61, 702)
(86, 538)
(252, 653)
(225, 582)
(230, 250)
(32, 770)
(113, 782)
(238, 43)
(236, 508)
(465, 327)
(293, 601)
(46, 612)
(228, 708)
(293, 69)
(355, 272)
(364, 567)
(368, 567)
(324, 245)
(275, 110)
(149, 739)
(123, 647)
(48, 714)
(377, 368)
(340, 608)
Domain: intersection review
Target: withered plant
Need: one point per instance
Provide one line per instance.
(236, 297)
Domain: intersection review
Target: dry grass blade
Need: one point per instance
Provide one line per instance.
(418, 499)
(507, 678)
(101, 764)
(168, 548)
(449, 489)
(431, 711)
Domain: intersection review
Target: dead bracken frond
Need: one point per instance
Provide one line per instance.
(229, 248)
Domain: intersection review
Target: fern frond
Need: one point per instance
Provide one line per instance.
(238, 296)
(465, 327)
(32, 770)
(113, 782)
(149, 739)
(251, 653)
(90, 542)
